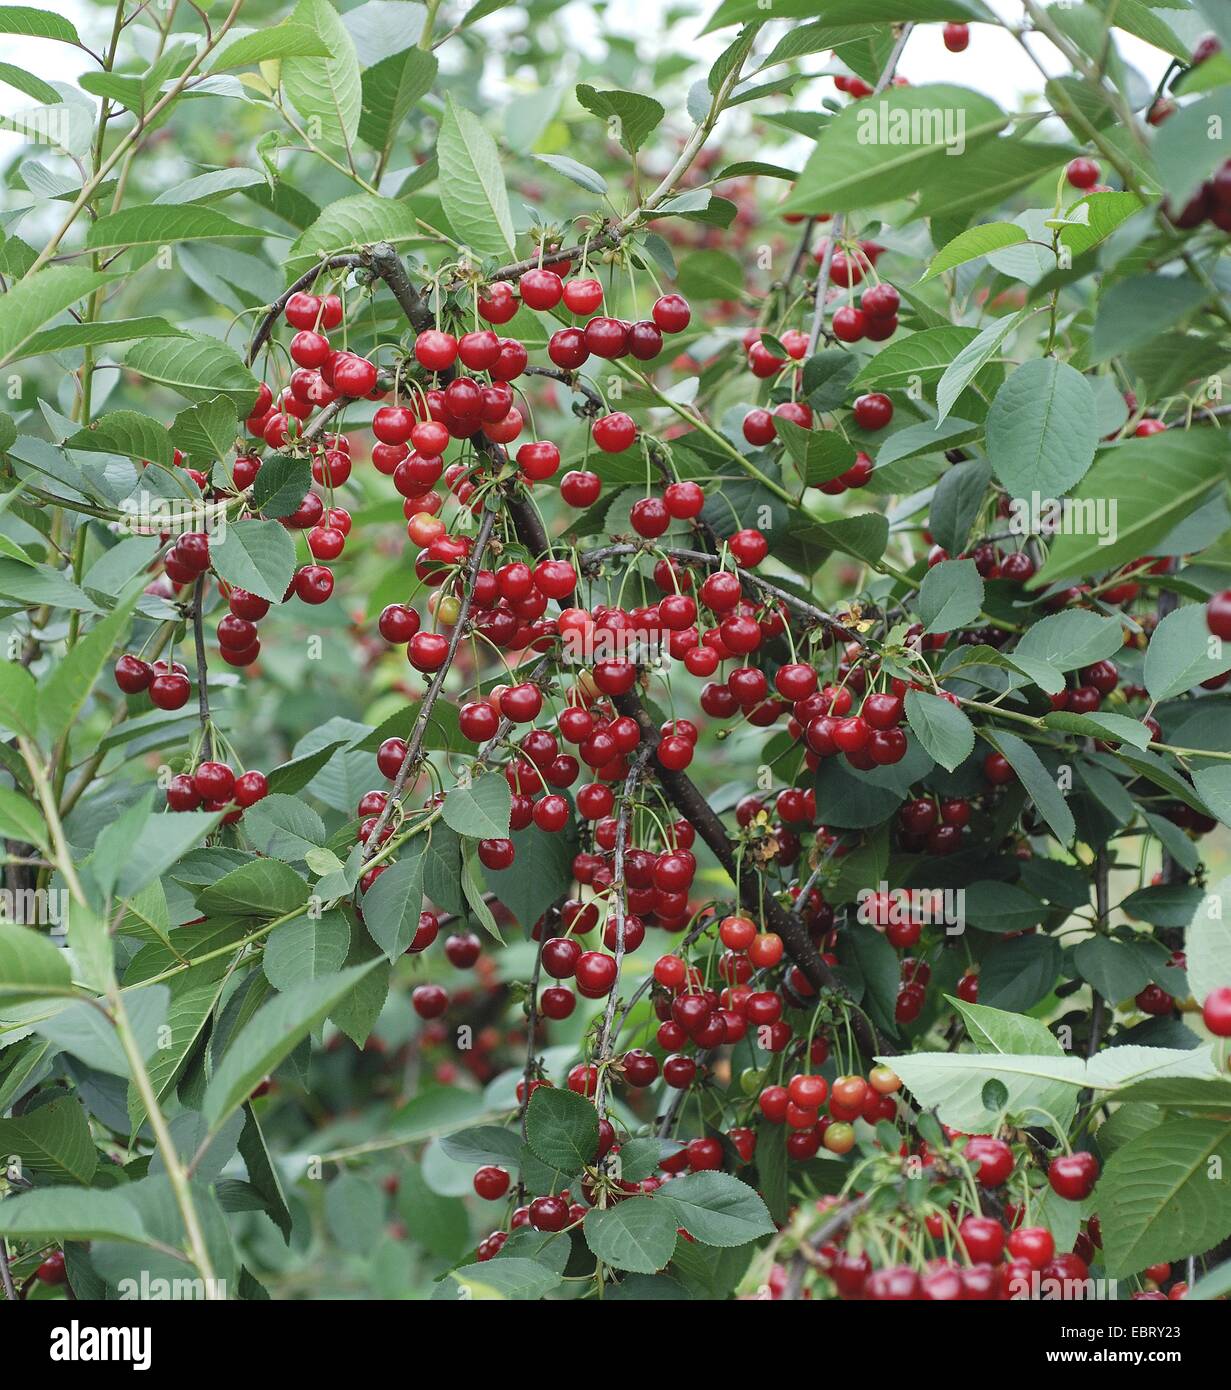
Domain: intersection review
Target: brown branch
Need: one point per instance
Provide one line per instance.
(688, 800)
(594, 402)
(198, 635)
(618, 905)
(266, 326)
(591, 559)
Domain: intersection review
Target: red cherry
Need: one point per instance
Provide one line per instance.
(1216, 1011)
(615, 432)
(1072, 1176)
(580, 489)
(540, 288)
(250, 788)
(133, 675)
(671, 313)
(873, 411)
(499, 304)
(169, 690)
(1034, 1244)
(849, 324)
(427, 651)
(956, 37)
(582, 296)
(491, 1183)
(1082, 173)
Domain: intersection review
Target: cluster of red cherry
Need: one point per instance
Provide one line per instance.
(215, 787)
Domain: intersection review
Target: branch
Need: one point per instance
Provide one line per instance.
(198, 634)
(266, 326)
(592, 559)
(618, 905)
(686, 798)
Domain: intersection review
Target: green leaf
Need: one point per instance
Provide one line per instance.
(1103, 213)
(484, 1144)
(35, 23)
(482, 809)
(270, 1036)
(157, 225)
(995, 1030)
(21, 820)
(390, 88)
(350, 223)
(1117, 727)
(260, 888)
(988, 176)
(197, 366)
(1040, 785)
(637, 1234)
(284, 40)
(924, 355)
(1039, 1087)
(717, 1209)
(306, 948)
(194, 994)
(71, 1213)
(165, 839)
(30, 966)
(951, 595)
(472, 187)
(711, 275)
(877, 151)
(73, 335)
(1214, 787)
(280, 486)
(864, 535)
(1042, 429)
(207, 432)
(581, 174)
(63, 692)
(1208, 943)
(31, 302)
(1182, 653)
(973, 243)
(1153, 484)
(325, 91)
(957, 502)
(1192, 143)
(258, 556)
(1137, 309)
(941, 727)
(1166, 1188)
(392, 905)
(562, 1129)
(283, 827)
(819, 455)
(291, 777)
(34, 585)
(1068, 640)
(630, 116)
(1111, 967)
(526, 1281)
(971, 360)
(53, 1138)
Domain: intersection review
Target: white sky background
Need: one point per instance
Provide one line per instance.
(993, 64)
